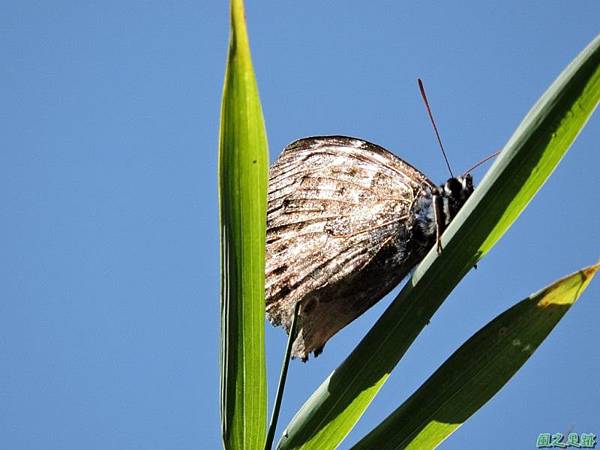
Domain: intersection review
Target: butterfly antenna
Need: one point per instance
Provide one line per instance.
(484, 160)
(437, 134)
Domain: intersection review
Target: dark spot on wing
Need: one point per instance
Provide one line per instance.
(285, 290)
(279, 270)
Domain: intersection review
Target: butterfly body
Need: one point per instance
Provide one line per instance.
(346, 222)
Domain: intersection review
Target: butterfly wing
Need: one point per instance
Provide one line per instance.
(338, 222)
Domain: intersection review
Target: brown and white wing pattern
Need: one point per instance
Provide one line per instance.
(341, 215)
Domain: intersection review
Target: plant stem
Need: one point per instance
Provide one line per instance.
(282, 378)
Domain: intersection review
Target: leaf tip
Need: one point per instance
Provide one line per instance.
(568, 290)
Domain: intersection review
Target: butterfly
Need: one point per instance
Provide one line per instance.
(347, 220)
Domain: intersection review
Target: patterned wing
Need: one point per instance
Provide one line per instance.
(338, 221)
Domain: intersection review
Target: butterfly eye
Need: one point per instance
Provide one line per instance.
(453, 187)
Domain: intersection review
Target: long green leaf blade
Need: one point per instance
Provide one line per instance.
(243, 174)
(478, 369)
(527, 160)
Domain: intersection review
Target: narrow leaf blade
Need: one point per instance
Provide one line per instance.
(243, 175)
(478, 369)
(527, 160)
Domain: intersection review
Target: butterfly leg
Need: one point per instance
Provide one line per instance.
(440, 223)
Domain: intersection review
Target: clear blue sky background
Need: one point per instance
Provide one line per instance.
(109, 228)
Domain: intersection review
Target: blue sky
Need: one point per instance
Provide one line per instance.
(109, 271)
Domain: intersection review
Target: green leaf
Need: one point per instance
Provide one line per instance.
(527, 160)
(478, 369)
(243, 174)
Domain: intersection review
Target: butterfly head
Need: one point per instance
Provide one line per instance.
(459, 188)
(455, 192)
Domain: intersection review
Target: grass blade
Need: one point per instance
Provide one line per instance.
(282, 380)
(243, 174)
(527, 160)
(478, 369)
